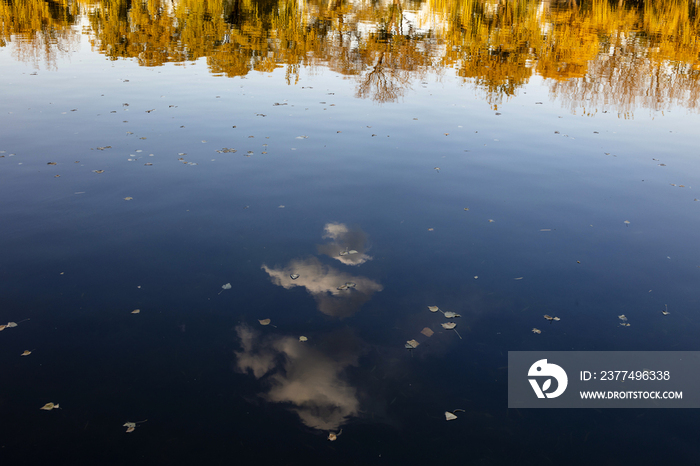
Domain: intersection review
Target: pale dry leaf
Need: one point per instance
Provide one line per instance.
(449, 325)
(536, 330)
(332, 437)
(2, 327)
(49, 406)
(130, 429)
(427, 332)
(410, 344)
(129, 198)
(264, 321)
(11, 324)
(622, 317)
(449, 416)
(129, 424)
(294, 276)
(136, 311)
(26, 353)
(303, 338)
(227, 286)
(450, 314)
(433, 308)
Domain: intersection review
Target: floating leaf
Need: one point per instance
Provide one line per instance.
(665, 311)
(492, 220)
(626, 222)
(550, 318)
(303, 338)
(536, 330)
(450, 314)
(294, 276)
(225, 287)
(264, 321)
(99, 171)
(2, 327)
(350, 284)
(624, 324)
(131, 429)
(519, 278)
(49, 406)
(332, 437)
(451, 326)
(433, 308)
(449, 416)
(622, 318)
(352, 251)
(410, 344)
(136, 311)
(129, 424)
(26, 353)
(427, 332)
(342, 287)
(11, 324)
(128, 198)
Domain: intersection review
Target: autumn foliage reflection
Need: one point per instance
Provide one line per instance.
(593, 53)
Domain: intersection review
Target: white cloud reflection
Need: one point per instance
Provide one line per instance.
(301, 374)
(344, 240)
(322, 281)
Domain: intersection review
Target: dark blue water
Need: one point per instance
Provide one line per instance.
(327, 173)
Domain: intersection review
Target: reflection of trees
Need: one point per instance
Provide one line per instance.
(39, 30)
(495, 45)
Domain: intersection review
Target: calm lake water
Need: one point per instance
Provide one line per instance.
(213, 164)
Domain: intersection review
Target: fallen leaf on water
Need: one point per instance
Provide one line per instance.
(519, 278)
(433, 308)
(625, 324)
(26, 353)
(303, 338)
(2, 327)
(550, 318)
(430, 229)
(99, 171)
(264, 321)
(225, 287)
(294, 276)
(332, 437)
(665, 311)
(451, 326)
(130, 429)
(427, 332)
(49, 406)
(622, 318)
(492, 220)
(342, 287)
(11, 324)
(128, 198)
(536, 330)
(410, 344)
(626, 222)
(450, 314)
(136, 311)
(352, 251)
(450, 416)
